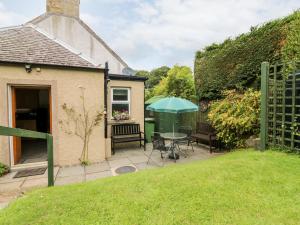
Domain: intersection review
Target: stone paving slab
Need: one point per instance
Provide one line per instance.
(7, 197)
(30, 184)
(138, 159)
(69, 180)
(4, 205)
(11, 186)
(99, 175)
(144, 166)
(9, 178)
(98, 167)
(12, 180)
(119, 162)
(71, 171)
(131, 153)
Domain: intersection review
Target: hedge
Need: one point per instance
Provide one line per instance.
(235, 63)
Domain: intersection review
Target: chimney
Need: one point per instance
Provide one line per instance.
(64, 7)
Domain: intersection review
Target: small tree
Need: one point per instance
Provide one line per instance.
(81, 124)
(178, 83)
(154, 77)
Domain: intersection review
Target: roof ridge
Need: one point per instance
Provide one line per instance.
(63, 44)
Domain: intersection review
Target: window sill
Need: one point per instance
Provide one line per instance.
(112, 122)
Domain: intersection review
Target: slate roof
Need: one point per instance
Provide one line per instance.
(24, 44)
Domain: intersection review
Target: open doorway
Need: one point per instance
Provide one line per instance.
(31, 110)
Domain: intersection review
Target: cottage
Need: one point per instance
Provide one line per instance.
(46, 64)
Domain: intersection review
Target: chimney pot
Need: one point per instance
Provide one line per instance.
(64, 7)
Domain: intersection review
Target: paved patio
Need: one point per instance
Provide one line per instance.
(11, 188)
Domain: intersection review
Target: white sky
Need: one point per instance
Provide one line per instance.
(152, 33)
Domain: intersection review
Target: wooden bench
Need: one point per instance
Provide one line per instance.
(205, 132)
(124, 133)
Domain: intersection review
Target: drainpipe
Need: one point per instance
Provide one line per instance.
(144, 112)
(106, 80)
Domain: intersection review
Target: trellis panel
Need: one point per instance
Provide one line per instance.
(280, 117)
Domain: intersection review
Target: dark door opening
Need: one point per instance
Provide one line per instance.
(31, 111)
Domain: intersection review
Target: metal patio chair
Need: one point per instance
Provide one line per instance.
(188, 141)
(158, 144)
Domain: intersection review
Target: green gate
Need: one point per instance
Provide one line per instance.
(16, 132)
(280, 105)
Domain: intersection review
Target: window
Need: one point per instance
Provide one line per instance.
(120, 100)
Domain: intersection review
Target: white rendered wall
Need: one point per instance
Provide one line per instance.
(70, 31)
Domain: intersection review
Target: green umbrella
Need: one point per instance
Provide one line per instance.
(173, 105)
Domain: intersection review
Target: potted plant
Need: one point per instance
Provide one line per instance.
(121, 115)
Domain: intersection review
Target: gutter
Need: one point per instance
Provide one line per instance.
(127, 77)
(51, 66)
(144, 113)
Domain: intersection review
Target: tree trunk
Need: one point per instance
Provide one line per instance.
(84, 154)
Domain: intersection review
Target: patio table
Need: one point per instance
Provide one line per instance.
(173, 137)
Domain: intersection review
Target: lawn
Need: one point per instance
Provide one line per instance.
(243, 187)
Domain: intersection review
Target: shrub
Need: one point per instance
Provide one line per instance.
(3, 169)
(236, 117)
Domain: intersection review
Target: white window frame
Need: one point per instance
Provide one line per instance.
(120, 102)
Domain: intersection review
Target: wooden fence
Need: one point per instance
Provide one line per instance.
(6, 131)
(280, 105)
(202, 117)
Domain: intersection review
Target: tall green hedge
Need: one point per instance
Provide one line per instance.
(235, 63)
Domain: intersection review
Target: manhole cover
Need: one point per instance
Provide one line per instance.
(125, 169)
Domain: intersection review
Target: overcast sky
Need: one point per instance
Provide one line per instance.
(152, 33)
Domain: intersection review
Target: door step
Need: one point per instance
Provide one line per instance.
(28, 166)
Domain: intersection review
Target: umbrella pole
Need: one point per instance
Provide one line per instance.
(173, 129)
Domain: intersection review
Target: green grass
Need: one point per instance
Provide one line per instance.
(243, 187)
